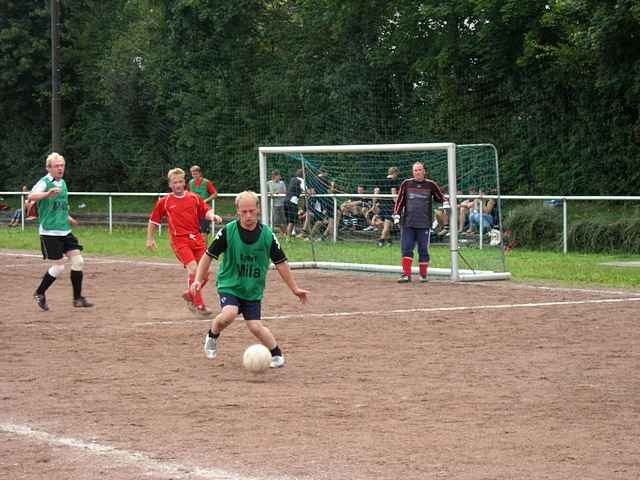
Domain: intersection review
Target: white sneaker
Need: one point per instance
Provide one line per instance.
(277, 361)
(496, 237)
(210, 346)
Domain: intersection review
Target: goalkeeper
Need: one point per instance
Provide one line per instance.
(413, 210)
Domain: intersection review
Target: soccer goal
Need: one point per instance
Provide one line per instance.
(343, 218)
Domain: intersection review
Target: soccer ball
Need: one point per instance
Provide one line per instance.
(256, 358)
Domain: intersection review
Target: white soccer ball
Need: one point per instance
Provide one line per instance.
(256, 358)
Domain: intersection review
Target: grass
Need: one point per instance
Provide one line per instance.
(525, 265)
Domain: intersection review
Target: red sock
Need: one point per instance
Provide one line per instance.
(197, 297)
(406, 266)
(190, 279)
(423, 268)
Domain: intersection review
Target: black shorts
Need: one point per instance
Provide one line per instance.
(291, 210)
(250, 309)
(386, 211)
(54, 247)
(205, 226)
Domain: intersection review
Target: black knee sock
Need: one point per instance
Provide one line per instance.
(46, 282)
(76, 283)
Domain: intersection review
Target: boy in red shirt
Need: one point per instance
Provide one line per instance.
(184, 210)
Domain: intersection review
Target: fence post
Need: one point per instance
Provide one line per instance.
(110, 214)
(22, 199)
(481, 224)
(564, 226)
(213, 222)
(335, 219)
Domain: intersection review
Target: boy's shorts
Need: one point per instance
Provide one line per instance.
(250, 309)
(54, 247)
(188, 248)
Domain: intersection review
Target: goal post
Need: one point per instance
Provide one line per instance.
(350, 163)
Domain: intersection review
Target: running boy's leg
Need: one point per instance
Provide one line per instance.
(188, 251)
(52, 249)
(225, 318)
(252, 313)
(77, 275)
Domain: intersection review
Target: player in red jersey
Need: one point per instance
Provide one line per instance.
(184, 210)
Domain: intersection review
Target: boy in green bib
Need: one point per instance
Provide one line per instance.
(56, 239)
(247, 248)
(206, 190)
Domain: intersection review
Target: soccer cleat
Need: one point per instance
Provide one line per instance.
(277, 361)
(380, 243)
(424, 279)
(81, 302)
(202, 310)
(210, 346)
(404, 279)
(186, 296)
(41, 301)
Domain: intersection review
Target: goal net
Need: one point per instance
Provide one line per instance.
(343, 213)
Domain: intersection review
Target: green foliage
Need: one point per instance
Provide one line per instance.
(149, 85)
(605, 237)
(533, 227)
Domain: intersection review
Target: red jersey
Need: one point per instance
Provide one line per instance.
(183, 213)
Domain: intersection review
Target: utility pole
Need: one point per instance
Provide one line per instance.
(56, 111)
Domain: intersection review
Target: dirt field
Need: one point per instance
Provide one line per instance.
(383, 381)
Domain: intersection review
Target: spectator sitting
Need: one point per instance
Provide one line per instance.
(354, 211)
(354, 206)
(441, 223)
(16, 219)
(371, 211)
(465, 209)
(482, 213)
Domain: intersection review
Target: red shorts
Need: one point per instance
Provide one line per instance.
(188, 248)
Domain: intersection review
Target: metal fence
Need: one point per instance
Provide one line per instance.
(561, 201)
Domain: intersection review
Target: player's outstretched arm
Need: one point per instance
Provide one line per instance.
(201, 272)
(151, 236)
(37, 196)
(287, 276)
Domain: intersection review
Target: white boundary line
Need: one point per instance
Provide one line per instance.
(100, 260)
(415, 310)
(125, 457)
(16, 265)
(575, 289)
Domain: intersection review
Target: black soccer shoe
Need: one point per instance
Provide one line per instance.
(81, 302)
(41, 301)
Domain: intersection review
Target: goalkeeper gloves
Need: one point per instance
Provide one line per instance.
(396, 219)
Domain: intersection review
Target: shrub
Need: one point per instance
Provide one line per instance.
(591, 236)
(534, 226)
